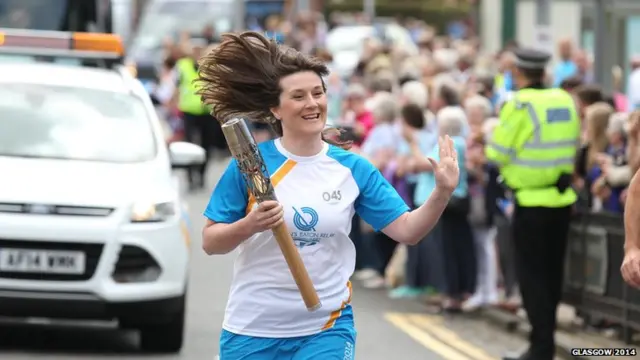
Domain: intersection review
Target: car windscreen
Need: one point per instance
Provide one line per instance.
(42, 121)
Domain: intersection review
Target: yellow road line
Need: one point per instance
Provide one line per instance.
(433, 326)
(403, 323)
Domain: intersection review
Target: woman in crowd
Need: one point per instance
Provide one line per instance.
(596, 142)
(454, 230)
(612, 171)
(419, 273)
(619, 98)
(357, 119)
(380, 148)
(478, 109)
(416, 122)
(587, 95)
(416, 93)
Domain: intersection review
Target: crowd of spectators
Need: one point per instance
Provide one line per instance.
(394, 106)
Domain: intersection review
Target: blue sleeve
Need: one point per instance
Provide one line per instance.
(229, 199)
(378, 203)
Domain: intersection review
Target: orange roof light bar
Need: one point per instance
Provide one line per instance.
(97, 42)
(58, 40)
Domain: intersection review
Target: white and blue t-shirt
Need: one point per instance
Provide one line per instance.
(320, 195)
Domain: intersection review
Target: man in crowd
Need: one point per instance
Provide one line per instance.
(566, 67)
(633, 95)
(199, 126)
(534, 145)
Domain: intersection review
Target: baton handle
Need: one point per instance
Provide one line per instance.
(297, 268)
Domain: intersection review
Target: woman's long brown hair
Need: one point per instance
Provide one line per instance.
(597, 120)
(241, 78)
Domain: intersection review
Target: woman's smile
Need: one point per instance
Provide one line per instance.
(311, 117)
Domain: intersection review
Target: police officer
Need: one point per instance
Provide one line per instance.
(199, 126)
(534, 147)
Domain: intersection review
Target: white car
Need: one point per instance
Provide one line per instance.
(92, 224)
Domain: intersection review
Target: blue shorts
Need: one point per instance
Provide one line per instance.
(336, 343)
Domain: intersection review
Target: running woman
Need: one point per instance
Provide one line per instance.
(320, 186)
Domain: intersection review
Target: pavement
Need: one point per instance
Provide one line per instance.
(570, 334)
(387, 329)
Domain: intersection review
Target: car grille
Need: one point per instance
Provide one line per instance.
(133, 259)
(92, 257)
(48, 209)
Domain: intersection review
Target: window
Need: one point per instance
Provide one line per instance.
(33, 14)
(56, 15)
(74, 123)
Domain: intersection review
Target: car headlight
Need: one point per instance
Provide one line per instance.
(150, 212)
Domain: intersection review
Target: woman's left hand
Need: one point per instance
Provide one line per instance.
(446, 170)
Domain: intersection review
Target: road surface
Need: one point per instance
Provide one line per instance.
(387, 329)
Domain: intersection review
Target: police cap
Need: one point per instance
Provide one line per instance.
(531, 59)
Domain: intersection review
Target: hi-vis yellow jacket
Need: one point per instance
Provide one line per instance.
(536, 142)
(189, 102)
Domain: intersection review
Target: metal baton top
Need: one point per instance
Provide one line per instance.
(244, 149)
(238, 135)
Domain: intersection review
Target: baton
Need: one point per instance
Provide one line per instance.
(244, 149)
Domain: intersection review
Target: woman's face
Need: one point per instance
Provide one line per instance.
(303, 104)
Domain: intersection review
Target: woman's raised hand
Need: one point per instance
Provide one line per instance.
(446, 171)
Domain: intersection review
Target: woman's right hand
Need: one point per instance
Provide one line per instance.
(265, 216)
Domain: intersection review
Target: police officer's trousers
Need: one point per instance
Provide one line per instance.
(204, 130)
(540, 242)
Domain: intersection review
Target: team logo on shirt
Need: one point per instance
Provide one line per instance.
(305, 220)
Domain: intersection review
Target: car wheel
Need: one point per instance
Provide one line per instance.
(166, 337)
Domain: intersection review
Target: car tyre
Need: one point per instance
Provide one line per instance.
(166, 337)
